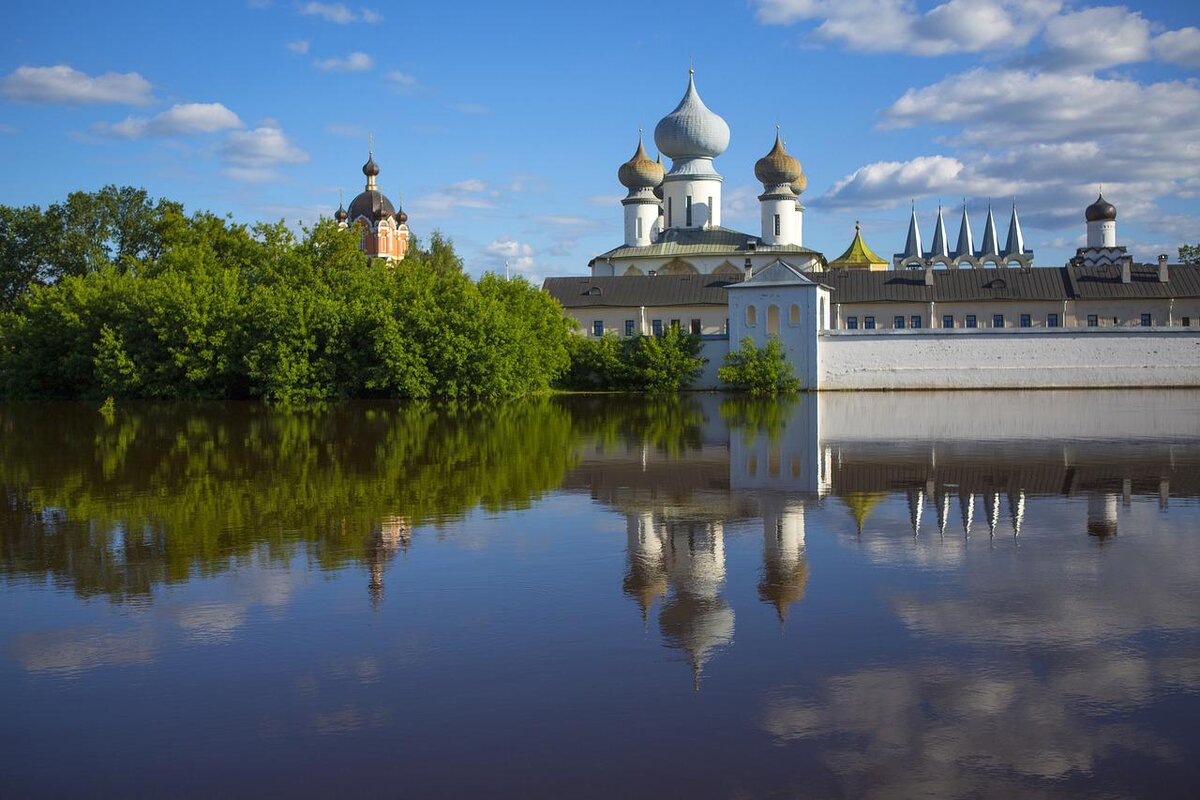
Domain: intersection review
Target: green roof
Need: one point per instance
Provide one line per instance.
(702, 241)
(857, 254)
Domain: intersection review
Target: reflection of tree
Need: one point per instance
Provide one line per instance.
(164, 492)
(755, 415)
(669, 424)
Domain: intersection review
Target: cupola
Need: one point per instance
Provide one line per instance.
(778, 166)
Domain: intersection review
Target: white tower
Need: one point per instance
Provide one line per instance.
(692, 136)
(782, 214)
(1101, 223)
(641, 177)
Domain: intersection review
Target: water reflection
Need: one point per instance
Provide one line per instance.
(924, 595)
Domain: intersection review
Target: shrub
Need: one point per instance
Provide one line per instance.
(760, 371)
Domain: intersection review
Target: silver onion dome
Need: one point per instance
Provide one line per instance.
(691, 130)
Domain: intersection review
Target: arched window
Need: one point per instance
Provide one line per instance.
(751, 316)
(794, 315)
(772, 320)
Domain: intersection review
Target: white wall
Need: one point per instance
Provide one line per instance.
(1009, 359)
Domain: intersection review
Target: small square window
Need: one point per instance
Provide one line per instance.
(852, 323)
(1026, 321)
(1146, 321)
(1093, 321)
(696, 327)
(629, 326)
(914, 321)
(1052, 320)
(598, 328)
(869, 323)
(948, 321)
(1187, 322)
(898, 322)
(675, 324)
(997, 320)
(656, 327)
(971, 321)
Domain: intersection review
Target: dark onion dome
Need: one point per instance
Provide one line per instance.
(370, 169)
(1100, 210)
(340, 215)
(777, 166)
(372, 205)
(639, 172)
(401, 217)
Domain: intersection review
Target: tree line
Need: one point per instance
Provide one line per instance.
(114, 294)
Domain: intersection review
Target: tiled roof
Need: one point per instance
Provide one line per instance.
(701, 241)
(659, 290)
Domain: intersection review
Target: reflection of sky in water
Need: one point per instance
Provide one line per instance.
(868, 614)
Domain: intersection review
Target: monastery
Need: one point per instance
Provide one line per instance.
(678, 266)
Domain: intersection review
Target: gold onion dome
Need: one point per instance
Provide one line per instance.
(778, 166)
(800, 184)
(640, 172)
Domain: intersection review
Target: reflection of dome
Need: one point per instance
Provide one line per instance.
(1100, 210)
(640, 172)
(697, 626)
(777, 166)
(783, 584)
(861, 504)
(691, 130)
(1102, 515)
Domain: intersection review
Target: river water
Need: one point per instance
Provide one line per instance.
(859, 595)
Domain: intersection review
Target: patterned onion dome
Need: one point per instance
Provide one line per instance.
(1100, 210)
(777, 166)
(640, 172)
(800, 184)
(691, 130)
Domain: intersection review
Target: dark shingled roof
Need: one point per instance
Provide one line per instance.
(641, 290)
(894, 286)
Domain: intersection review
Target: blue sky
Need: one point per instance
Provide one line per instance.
(503, 124)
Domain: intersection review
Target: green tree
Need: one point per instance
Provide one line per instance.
(1189, 254)
(667, 363)
(759, 371)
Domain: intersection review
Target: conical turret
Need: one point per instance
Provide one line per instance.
(1015, 245)
(912, 245)
(940, 246)
(991, 242)
(966, 245)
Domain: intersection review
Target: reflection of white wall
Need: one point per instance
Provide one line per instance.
(786, 459)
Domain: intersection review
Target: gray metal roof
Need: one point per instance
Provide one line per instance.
(893, 286)
(641, 290)
(702, 241)
(1096, 283)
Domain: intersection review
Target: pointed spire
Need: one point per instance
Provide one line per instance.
(912, 246)
(916, 504)
(1016, 508)
(1015, 245)
(940, 246)
(943, 513)
(993, 511)
(966, 502)
(991, 243)
(966, 245)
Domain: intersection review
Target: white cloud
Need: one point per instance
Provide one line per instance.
(62, 84)
(518, 255)
(470, 108)
(178, 120)
(1181, 47)
(879, 26)
(340, 13)
(1094, 38)
(354, 62)
(253, 155)
(471, 193)
(299, 46)
(402, 79)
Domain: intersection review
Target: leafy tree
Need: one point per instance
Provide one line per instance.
(759, 371)
(1189, 254)
(667, 363)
